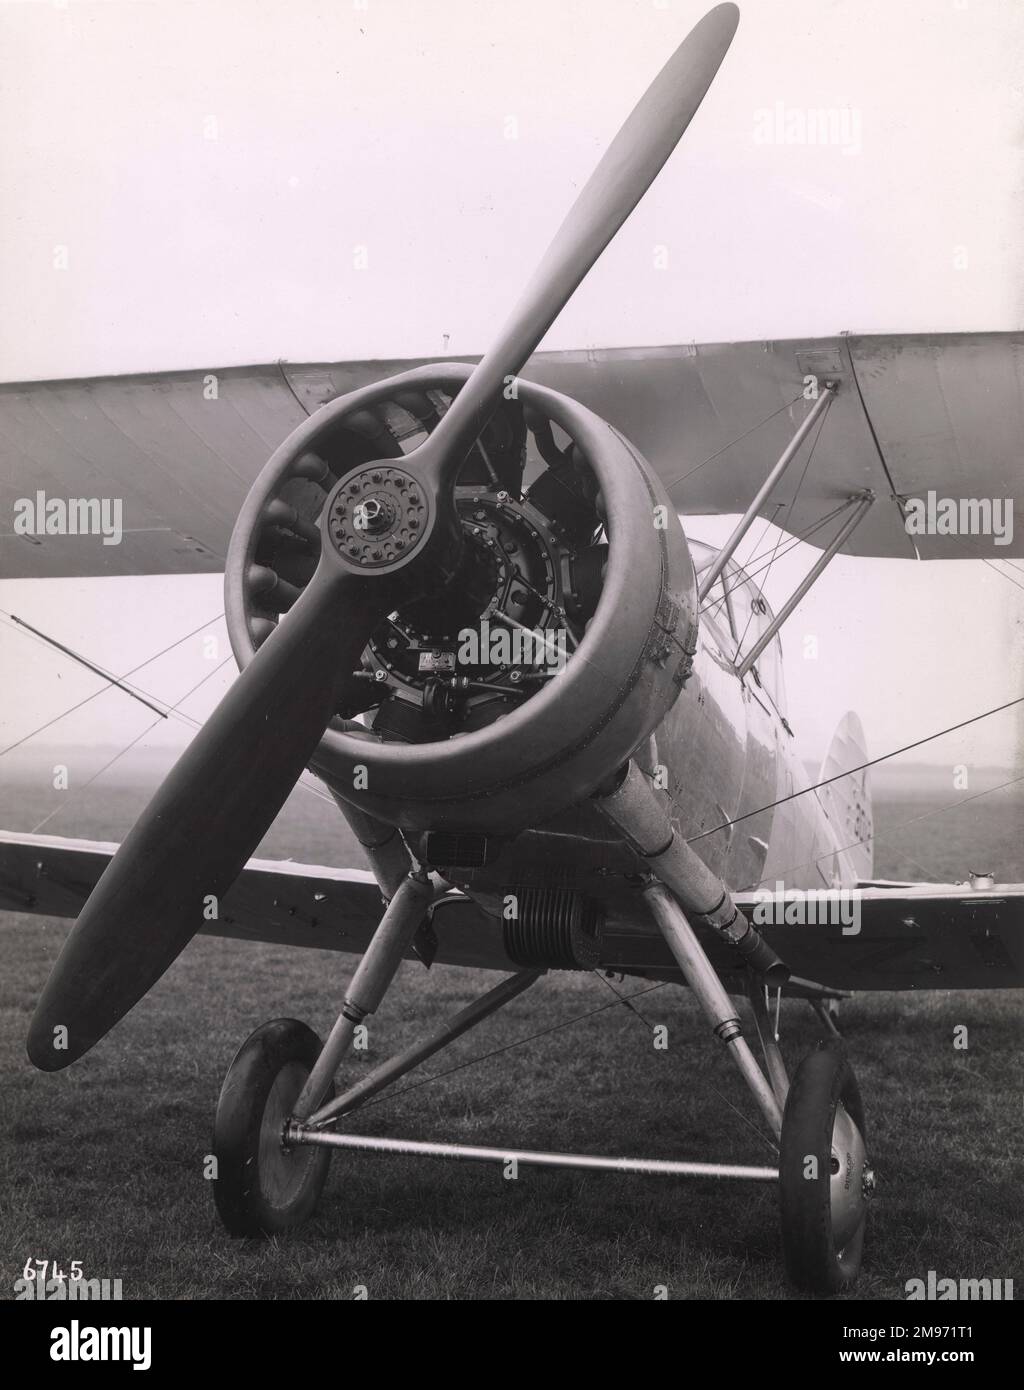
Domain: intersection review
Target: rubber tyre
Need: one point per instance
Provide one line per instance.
(261, 1188)
(823, 1080)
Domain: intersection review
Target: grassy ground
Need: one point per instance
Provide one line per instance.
(103, 1163)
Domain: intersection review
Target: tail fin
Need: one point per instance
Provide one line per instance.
(847, 802)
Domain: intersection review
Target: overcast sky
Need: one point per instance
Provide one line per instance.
(211, 167)
(213, 176)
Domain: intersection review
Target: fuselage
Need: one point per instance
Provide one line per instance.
(725, 753)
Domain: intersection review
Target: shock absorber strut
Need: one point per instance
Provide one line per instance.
(642, 817)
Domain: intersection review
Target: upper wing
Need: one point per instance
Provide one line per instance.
(914, 413)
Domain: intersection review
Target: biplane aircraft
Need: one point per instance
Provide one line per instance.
(461, 595)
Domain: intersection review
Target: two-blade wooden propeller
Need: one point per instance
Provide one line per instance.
(223, 794)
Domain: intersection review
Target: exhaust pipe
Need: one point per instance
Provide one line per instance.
(635, 809)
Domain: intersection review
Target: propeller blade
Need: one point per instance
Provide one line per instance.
(627, 169)
(204, 822)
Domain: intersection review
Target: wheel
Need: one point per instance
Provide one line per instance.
(825, 1179)
(262, 1187)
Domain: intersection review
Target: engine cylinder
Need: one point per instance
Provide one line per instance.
(482, 761)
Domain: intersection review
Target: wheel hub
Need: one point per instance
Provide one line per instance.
(848, 1182)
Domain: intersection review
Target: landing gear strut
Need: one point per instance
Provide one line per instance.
(824, 1176)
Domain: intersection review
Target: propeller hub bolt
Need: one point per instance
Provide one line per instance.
(377, 516)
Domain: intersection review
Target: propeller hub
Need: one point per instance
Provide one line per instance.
(377, 516)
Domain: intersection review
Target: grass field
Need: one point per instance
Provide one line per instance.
(103, 1163)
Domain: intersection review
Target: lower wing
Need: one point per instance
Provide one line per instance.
(878, 936)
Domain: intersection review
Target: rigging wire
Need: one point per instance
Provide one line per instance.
(172, 710)
(1015, 582)
(84, 661)
(769, 521)
(507, 1047)
(103, 689)
(645, 1023)
(712, 606)
(624, 1000)
(791, 542)
(621, 999)
(949, 806)
(732, 443)
(138, 737)
(860, 768)
(152, 702)
(783, 528)
(798, 536)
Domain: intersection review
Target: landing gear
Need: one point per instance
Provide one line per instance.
(263, 1186)
(278, 1116)
(825, 1179)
